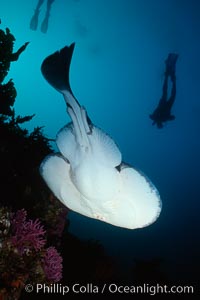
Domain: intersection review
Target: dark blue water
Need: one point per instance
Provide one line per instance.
(117, 74)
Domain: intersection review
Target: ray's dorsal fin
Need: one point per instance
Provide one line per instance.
(55, 68)
(107, 152)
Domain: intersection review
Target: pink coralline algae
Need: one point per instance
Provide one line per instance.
(27, 234)
(24, 257)
(52, 264)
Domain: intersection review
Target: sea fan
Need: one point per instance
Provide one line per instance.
(27, 235)
(52, 264)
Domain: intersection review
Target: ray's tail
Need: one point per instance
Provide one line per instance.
(55, 69)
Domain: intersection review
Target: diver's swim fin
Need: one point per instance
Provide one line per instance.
(44, 26)
(34, 20)
(55, 68)
(171, 64)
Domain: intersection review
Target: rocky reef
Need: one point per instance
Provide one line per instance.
(35, 244)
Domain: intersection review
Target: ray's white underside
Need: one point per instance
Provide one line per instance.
(88, 175)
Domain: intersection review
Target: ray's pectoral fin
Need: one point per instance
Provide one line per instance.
(56, 172)
(139, 195)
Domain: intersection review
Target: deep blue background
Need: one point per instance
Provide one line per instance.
(117, 73)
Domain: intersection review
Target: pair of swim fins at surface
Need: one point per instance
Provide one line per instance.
(34, 19)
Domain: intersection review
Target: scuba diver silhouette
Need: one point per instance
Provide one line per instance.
(163, 111)
(45, 23)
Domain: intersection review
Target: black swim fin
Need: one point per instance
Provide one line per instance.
(45, 24)
(34, 20)
(55, 68)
